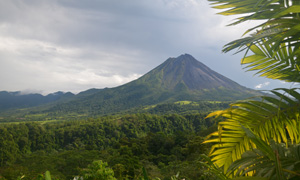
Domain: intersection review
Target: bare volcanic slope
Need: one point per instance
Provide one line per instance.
(177, 79)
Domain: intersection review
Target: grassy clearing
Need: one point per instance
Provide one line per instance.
(184, 102)
(215, 102)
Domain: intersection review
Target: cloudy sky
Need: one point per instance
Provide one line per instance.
(74, 45)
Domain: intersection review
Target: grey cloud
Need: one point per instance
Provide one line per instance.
(75, 45)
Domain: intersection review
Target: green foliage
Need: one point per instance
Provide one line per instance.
(261, 138)
(271, 118)
(98, 170)
(216, 170)
(8, 147)
(274, 43)
(271, 63)
(162, 144)
(160, 109)
(185, 107)
(47, 175)
(274, 161)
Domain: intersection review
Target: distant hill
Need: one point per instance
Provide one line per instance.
(177, 79)
(13, 100)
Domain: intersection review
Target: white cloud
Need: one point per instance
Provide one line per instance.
(32, 65)
(259, 86)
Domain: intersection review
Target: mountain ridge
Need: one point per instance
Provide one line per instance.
(18, 99)
(176, 79)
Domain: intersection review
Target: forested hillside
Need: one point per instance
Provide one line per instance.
(177, 79)
(14, 100)
(163, 144)
(180, 107)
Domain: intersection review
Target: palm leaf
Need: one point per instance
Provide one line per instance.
(276, 65)
(274, 118)
(281, 165)
(213, 168)
(280, 31)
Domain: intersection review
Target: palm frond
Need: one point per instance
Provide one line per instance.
(272, 64)
(283, 163)
(275, 118)
(280, 31)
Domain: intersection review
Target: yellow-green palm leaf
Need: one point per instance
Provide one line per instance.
(274, 118)
(273, 64)
(277, 37)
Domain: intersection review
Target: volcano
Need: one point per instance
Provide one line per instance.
(186, 71)
(177, 79)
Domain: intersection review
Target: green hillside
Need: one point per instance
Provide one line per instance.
(177, 79)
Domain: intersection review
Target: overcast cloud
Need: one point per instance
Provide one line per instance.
(74, 45)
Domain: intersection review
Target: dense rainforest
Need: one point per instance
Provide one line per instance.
(163, 144)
